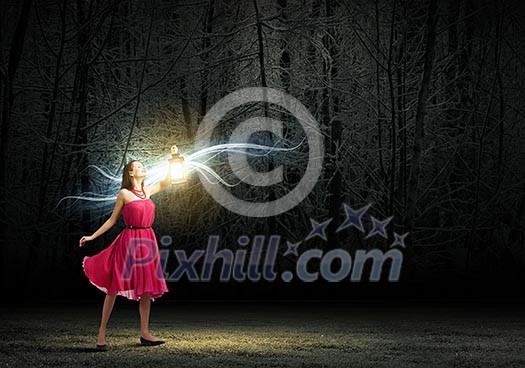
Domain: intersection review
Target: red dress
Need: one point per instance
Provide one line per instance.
(130, 266)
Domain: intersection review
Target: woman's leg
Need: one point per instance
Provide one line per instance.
(144, 309)
(109, 301)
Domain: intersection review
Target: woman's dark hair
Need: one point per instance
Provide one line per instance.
(127, 183)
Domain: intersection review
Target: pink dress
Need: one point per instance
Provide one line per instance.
(130, 266)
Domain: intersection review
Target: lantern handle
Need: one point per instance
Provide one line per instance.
(174, 150)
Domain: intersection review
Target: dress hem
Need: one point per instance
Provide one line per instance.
(128, 294)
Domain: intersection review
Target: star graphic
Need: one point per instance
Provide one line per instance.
(353, 217)
(318, 229)
(399, 240)
(378, 227)
(292, 248)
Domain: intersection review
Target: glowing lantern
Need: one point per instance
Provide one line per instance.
(178, 174)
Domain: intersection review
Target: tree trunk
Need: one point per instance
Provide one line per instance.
(413, 182)
(8, 98)
(330, 107)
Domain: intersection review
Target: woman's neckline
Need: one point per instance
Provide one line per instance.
(136, 191)
(137, 200)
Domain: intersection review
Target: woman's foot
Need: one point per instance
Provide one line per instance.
(148, 339)
(101, 340)
(148, 336)
(101, 347)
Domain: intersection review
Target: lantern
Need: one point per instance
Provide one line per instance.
(178, 174)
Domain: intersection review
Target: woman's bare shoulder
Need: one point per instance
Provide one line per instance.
(122, 194)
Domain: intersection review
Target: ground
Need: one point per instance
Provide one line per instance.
(261, 334)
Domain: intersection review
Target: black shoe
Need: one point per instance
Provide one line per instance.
(101, 347)
(145, 342)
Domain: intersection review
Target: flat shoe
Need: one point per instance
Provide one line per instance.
(102, 347)
(145, 342)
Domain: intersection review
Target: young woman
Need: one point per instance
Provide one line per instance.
(130, 266)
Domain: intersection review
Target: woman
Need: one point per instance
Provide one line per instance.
(130, 266)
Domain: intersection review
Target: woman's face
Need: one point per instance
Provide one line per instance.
(138, 170)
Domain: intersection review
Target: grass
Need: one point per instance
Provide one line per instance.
(266, 335)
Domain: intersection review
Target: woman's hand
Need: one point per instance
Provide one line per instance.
(85, 239)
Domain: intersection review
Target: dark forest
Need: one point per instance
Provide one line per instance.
(420, 104)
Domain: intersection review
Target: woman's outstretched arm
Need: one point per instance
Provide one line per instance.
(161, 185)
(109, 222)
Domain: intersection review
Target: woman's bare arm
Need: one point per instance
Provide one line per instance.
(109, 222)
(160, 186)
